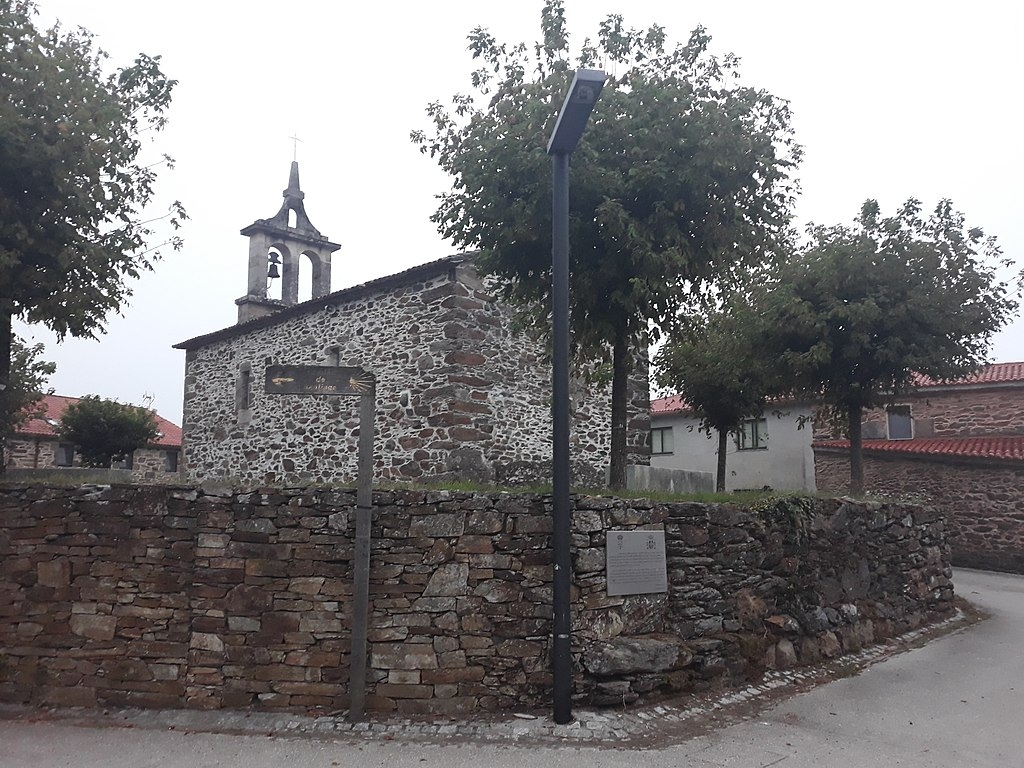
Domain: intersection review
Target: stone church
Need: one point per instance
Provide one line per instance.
(460, 394)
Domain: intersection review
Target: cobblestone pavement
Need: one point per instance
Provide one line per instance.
(632, 728)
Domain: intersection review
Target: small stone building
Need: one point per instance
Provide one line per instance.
(36, 445)
(460, 394)
(959, 444)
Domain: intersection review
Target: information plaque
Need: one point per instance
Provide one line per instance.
(636, 563)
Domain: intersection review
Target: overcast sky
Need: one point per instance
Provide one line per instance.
(890, 100)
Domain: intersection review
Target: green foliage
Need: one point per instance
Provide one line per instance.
(864, 309)
(681, 181)
(792, 514)
(73, 187)
(104, 431)
(713, 361)
(26, 385)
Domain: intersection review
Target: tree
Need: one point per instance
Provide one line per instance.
(713, 362)
(25, 386)
(682, 180)
(864, 309)
(72, 185)
(105, 431)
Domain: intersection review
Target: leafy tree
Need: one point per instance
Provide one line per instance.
(863, 309)
(72, 186)
(26, 385)
(681, 181)
(713, 362)
(104, 431)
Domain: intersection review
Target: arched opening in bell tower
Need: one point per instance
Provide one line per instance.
(305, 277)
(275, 263)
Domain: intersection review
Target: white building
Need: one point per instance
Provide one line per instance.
(773, 451)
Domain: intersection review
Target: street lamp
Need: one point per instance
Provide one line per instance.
(572, 119)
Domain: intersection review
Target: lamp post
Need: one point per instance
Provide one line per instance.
(572, 119)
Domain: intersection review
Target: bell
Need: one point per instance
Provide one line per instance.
(272, 272)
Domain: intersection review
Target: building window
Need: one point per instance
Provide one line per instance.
(661, 440)
(170, 461)
(900, 422)
(64, 456)
(752, 435)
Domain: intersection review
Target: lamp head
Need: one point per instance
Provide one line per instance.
(579, 103)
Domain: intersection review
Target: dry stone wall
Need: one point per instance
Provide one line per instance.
(459, 393)
(207, 597)
(983, 502)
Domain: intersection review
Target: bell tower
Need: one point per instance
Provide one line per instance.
(283, 240)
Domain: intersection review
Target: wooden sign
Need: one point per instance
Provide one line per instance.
(317, 380)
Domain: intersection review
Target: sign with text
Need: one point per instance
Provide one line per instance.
(636, 563)
(317, 380)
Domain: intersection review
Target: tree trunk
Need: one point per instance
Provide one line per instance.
(723, 444)
(620, 408)
(6, 331)
(853, 414)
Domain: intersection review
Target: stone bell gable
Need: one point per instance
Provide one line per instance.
(276, 246)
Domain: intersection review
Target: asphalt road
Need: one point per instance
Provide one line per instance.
(955, 703)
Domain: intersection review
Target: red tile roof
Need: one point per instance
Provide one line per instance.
(996, 373)
(55, 405)
(1006, 448)
(670, 404)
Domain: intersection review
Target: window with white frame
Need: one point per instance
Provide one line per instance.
(752, 435)
(899, 422)
(661, 440)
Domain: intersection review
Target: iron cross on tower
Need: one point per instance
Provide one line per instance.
(295, 147)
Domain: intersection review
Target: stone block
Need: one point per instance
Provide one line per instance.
(204, 641)
(448, 675)
(448, 579)
(441, 524)
(435, 604)
(54, 573)
(785, 654)
(243, 624)
(306, 586)
(93, 626)
(404, 676)
(402, 656)
(472, 544)
(631, 655)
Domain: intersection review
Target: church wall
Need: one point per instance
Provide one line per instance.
(459, 394)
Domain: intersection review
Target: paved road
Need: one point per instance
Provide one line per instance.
(956, 703)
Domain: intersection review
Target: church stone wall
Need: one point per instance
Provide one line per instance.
(459, 393)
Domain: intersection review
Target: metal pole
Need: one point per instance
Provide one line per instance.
(361, 558)
(561, 650)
